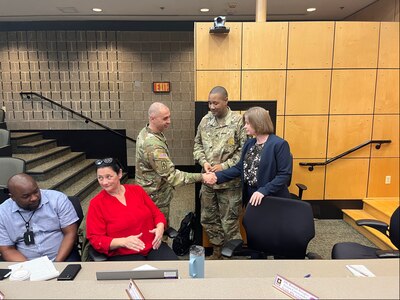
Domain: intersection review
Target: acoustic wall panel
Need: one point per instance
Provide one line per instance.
(280, 123)
(347, 132)
(346, 179)
(265, 85)
(353, 91)
(307, 92)
(306, 135)
(310, 45)
(386, 127)
(315, 180)
(218, 51)
(389, 51)
(356, 45)
(265, 45)
(387, 91)
(206, 80)
(379, 170)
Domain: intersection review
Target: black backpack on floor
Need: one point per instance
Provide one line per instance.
(185, 237)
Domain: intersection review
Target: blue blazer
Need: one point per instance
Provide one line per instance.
(274, 172)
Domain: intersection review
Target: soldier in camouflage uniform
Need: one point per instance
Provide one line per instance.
(155, 171)
(218, 144)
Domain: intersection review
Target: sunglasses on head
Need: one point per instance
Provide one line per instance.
(104, 161)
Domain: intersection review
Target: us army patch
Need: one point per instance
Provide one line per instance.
(160, 154)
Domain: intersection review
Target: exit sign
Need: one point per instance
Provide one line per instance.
(161, 87)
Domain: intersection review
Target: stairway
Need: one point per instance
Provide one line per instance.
(57, 167)
(373, 208)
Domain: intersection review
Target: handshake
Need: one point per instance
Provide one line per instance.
(209, 178)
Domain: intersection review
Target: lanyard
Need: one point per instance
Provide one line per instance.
(26, 222)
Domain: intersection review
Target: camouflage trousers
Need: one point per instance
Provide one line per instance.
(220, 210)
(163, 200)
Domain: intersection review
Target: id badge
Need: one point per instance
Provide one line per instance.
(29, 238)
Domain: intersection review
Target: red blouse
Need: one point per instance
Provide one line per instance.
(108, 218)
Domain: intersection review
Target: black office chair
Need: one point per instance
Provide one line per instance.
(78, 208)
(300, 186)
(278, 227)
(3, 124)
(350, 250)
(9, 166)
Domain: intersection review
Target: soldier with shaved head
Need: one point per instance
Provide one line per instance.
(35, 223)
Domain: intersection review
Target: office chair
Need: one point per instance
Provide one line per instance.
(350, 250)
(97, 256)
(278, 227)
(78, 208)
(10, 166)
(5, 145)
(300, 186)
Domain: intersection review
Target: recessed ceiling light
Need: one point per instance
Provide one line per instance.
(97, 9)
(204, 9)
(311, 9)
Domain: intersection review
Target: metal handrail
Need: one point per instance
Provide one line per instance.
(311, 165)
(29, 96)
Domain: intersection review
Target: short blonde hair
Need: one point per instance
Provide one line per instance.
(259, 119)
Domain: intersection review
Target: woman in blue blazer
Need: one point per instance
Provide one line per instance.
(266, 163)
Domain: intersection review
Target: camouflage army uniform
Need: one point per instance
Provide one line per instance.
(217, 143)
(155, 171)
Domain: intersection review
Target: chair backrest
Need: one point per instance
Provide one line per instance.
(4, 137)
(78, 208)
(280, 227)
(10, 166)
(394, 229)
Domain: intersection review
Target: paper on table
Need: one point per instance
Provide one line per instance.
(41, 268)
(144, 267)
(360, 271)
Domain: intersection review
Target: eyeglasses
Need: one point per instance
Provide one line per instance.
(104, 161)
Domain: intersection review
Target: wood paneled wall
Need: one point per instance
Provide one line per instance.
(336, 86)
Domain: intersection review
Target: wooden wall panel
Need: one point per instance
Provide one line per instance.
(315, 180)
(356, 45)
(307, 92)
(280, 123)
(353, 91)
(346, 132)
(386, 127)
(379, 169)
(306, 135)
(310, 45)
(389, 51)
(218, 51)
(206, 80)
(347, 179)
(387, 91)
(265, 45)
(265, 85)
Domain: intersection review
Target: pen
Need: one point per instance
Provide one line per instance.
(8, 274)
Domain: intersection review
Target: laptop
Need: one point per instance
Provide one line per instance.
(137, 274)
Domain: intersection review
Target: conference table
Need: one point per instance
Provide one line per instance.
(224, 279)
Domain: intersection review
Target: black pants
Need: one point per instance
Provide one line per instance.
(162, 253)
(74, 255)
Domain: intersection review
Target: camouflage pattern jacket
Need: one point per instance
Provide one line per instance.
(217, 143)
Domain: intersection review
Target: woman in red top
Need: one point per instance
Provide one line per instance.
(122, 221)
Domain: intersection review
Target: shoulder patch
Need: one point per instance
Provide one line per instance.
(160, 154)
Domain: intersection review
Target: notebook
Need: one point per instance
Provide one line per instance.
(41, 268)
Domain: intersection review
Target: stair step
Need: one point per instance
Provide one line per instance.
(381, 208)
(56, 166)
(350, 216)
(65, 178)
(36, 146)
(24, 137)
(34, 159)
